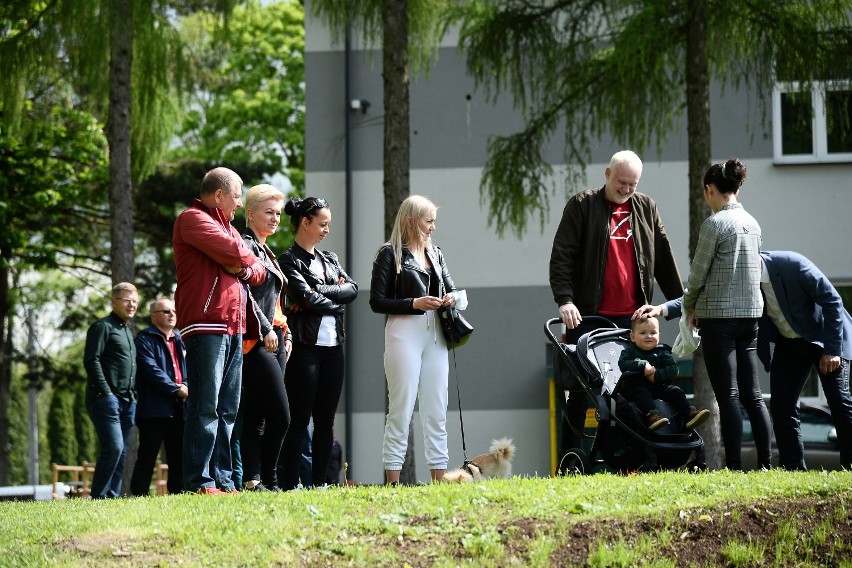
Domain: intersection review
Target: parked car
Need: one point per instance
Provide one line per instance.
(818, 434)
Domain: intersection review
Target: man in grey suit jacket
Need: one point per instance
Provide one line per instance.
(805, 318)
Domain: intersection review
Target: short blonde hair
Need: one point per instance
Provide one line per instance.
(123, 287)
(260, 193)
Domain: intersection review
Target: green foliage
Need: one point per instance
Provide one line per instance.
(19, 423)
(60, 424)
(425, 25)
(52, 185)
(249, 107)
(70, 38)
(583, 69)
(87, 441)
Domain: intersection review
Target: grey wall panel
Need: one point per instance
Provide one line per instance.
(451, 121)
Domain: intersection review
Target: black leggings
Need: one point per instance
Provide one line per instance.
(730, 354)
(266, 412)
(314, 383)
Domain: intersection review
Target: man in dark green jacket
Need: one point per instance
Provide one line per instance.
(110, 361)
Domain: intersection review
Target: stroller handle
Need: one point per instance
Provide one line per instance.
(554, 321)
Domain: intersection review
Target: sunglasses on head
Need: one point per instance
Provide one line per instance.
(314, 203)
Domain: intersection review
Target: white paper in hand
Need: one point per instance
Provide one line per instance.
(461, 299)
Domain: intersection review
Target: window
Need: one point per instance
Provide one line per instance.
(812, 125)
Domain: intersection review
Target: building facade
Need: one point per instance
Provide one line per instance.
(502, 371)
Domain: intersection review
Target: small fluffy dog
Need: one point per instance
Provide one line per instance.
(496, 463)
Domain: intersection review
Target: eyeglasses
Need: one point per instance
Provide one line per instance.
(127, 300)
(167, 312)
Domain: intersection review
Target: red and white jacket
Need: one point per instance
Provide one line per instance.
(208, 299)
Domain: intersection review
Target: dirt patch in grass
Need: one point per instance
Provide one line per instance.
(811, 530)
(116, 548)
(795, 532)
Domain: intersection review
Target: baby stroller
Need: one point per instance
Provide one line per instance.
(622, 440)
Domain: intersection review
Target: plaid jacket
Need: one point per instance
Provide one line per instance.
(724, 280)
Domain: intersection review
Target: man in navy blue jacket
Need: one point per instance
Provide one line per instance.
(161, 383)
(805, 318)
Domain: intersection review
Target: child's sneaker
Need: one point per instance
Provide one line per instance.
(697, 418)
(655, 421)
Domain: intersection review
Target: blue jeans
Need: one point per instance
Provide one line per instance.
(113, 419)
(214, 365)
(791, 363)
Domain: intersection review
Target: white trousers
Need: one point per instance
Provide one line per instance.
(416, 367)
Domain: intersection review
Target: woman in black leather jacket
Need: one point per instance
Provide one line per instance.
(317, 293)
(410, 281)
(266, 344)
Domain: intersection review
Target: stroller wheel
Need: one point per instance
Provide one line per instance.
(575, 462)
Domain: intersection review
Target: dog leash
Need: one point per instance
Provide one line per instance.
(458, 394)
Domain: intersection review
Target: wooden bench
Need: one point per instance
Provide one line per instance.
(162, 484)
(81, 476)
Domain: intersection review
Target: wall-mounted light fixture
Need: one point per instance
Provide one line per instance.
(360, 105)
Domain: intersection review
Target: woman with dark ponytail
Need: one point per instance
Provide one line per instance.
(724, 299)
(318, 290)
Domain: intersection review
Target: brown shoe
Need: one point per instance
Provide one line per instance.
(211, 491)
(697, 418)
(655, 421)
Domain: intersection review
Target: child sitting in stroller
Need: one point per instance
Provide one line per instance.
(649, 368)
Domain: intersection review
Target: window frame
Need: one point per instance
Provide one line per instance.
(820, 154)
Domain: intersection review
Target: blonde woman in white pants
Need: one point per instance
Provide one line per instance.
(410, 281)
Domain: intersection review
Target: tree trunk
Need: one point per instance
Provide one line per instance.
(118, 136)
(397, 143)
(122, 254)
(698, 132)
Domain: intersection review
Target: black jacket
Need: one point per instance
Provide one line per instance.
(110, 359)
(314, 296)
(392, 293)
(578, 258)
(262, 298)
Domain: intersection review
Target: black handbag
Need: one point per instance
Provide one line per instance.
(456, 329)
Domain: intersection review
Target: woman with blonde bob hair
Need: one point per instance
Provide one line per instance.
(266, 346)
(410, 281)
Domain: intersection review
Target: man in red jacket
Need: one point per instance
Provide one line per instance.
(212, 266)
